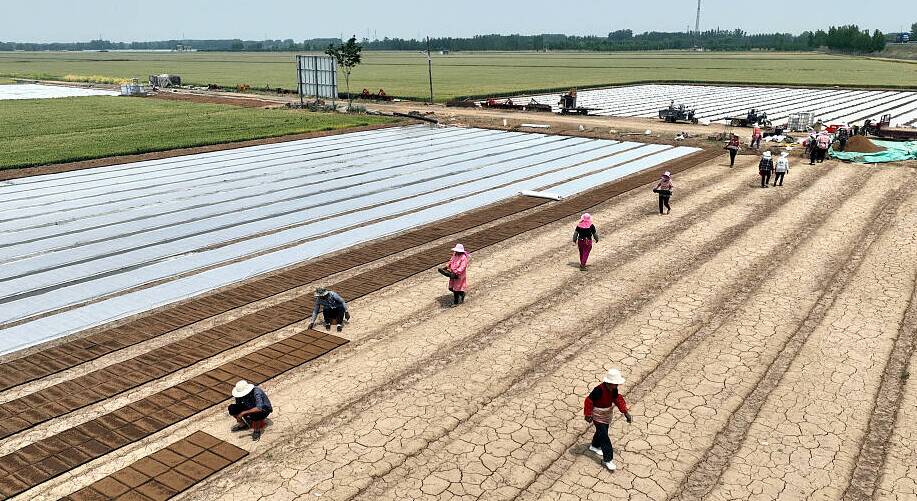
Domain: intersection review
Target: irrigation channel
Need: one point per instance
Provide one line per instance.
(717, 102)
(87, 247)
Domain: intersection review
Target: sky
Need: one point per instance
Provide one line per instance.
(83, 20)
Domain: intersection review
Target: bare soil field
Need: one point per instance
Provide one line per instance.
(765, 335)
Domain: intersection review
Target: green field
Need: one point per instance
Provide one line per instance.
(43, 131)
(475, 74)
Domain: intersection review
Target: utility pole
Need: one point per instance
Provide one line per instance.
(430, 69)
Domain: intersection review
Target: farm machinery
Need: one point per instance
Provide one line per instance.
(883, 129)
(752, 119)
(508, 104)
(568, 105)
(678, 113)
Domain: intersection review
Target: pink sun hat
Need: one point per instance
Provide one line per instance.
(459, 248)
(585, 220)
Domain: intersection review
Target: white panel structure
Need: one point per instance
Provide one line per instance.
(317, 76)
(35, 91)
(717, 102)
(85, 247)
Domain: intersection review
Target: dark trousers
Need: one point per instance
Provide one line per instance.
(822, 154)
(732, 157)
(600, 440)
(664, 202)
(843, 144)
(458, 297)
(336, 314)
(813, 154)
(778, 178)
(236, 409)
(765, 178)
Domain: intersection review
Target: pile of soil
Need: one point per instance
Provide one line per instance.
(859, 144)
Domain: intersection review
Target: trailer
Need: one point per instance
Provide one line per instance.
(883, 129)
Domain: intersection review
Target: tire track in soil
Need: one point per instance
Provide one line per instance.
(865, 477)
(642, 387)
(709, 469)
(446, 355)
(546, 362)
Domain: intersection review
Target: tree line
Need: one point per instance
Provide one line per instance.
(848, 39)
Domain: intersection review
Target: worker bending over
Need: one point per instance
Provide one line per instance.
(332, 307)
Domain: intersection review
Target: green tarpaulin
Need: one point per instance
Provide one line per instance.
(895, 151)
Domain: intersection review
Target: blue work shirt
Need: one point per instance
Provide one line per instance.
(331, 300)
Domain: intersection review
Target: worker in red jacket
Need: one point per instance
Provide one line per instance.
(598, 410)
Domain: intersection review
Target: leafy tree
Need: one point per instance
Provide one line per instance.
(914, 31)
(878, 41)
(348, 57)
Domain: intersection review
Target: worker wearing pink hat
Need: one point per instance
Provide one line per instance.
(456, 271)
(664, 188)
(583, 236)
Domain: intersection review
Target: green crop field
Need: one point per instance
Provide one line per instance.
(475, 74)
(43, 131)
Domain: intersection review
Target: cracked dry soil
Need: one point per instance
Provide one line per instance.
(754, 327)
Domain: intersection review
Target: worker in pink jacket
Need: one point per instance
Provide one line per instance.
(456, 270)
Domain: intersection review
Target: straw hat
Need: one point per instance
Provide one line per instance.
(459, 248)
(242, 388)
(767, 154)
(321, 291)
(784, 154)
(614, 377)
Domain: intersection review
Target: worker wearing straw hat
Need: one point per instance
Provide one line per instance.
(598, 410)
(765, 168)
(456, 270)
(583, 236)
(251, 408)
(332, 307)
(664, 188)
(781, 168)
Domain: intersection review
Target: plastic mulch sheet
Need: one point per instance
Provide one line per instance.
(895, 151)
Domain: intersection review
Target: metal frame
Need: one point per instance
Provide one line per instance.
(316, 76)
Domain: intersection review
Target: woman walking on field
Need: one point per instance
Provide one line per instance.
(733, 147)
(583, 236)
(664, 188)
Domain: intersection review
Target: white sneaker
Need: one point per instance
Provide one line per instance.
(595, 450)
(611, 465)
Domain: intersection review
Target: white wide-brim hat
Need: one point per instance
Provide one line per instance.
(667, 174)
(613, 377)
(459, 248)
(767, 154)
(242, 388)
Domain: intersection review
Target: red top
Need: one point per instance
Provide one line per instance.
(598, 403)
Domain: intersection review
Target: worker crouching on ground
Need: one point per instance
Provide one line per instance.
(456, 271)
(332, 307)
(665, 188)
(598, 409)
(733, 147)
(782, 167)
(765, 168)
(583, 236)
(251, 409)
